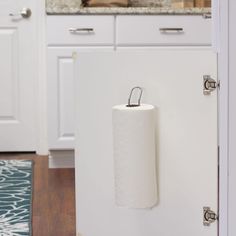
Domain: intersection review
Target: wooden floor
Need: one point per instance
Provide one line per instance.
(53, 197)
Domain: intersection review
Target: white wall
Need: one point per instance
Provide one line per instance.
(221, 34)
(232, 119)
(42, 141)
(227, 76)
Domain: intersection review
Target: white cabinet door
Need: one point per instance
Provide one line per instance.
(61, 98)
(18, 57)
(61, 89)
(186, 144)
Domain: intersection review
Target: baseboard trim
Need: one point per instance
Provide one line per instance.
(61, 159)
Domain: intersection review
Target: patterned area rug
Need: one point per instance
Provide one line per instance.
(15, 197)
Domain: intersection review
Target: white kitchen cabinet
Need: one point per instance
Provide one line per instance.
(80, 30)
(69, 34)
(186, 145)
(61, 98)
(61, 93)
(163, 30)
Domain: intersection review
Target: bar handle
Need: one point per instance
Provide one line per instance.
(81, 30)
(171, 30)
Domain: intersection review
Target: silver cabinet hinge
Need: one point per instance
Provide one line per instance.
(209, 85)
(209, 216)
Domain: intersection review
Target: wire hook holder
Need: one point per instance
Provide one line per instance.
(139, 98)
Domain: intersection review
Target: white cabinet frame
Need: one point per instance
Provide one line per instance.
(227, 75)
(225, 37)
(227, 174)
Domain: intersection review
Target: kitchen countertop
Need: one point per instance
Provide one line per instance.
(53, 9)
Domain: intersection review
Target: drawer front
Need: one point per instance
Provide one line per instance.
(80, 30)
(163, 30)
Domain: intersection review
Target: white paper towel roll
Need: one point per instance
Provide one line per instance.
(135, 156)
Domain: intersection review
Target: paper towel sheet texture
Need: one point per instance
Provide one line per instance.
(134, 148)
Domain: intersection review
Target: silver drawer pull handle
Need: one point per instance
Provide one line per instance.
(171, 30)
(207, 16)
(81, 30)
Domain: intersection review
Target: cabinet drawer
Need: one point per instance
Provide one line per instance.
(80, 30)
(163, 30)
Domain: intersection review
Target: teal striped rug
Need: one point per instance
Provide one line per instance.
(15, 197)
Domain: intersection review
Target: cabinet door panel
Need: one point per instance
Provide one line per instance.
(186, 141)
(61, 93)
(61, 98)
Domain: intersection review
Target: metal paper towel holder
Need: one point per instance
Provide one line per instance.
(139, 99)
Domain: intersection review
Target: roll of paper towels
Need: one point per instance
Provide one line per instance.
(134, 147)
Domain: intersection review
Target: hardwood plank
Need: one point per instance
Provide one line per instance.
(62, 199)
(40, 198)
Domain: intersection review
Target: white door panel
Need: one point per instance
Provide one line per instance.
(61, 98)
(17, 77)
(61, 95)
(9, 68)
(186, 141)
